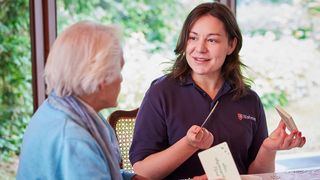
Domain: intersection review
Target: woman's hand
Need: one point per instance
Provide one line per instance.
(199, 137)
(138, 177)
(203, 177)
(280, 140)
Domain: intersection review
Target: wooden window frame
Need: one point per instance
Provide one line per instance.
(43, 31)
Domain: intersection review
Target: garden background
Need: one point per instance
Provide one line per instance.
(281, 49)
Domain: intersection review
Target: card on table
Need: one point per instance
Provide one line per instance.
(287, 119)
(218, 163)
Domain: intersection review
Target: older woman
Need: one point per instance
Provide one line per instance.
(67, 138)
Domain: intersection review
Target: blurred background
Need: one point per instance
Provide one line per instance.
(281, 49)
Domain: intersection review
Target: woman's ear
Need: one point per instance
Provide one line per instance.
(232, 45)
(101, 85)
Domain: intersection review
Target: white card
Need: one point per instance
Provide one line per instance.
(218, 163)
(287, 119)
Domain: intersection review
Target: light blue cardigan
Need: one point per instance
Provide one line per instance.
(55, 147)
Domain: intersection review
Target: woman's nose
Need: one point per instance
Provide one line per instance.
(201, 46)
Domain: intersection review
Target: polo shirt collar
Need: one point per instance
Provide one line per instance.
(226, 87)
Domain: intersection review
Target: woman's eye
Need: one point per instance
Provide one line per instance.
(192, 38)
(211, 40)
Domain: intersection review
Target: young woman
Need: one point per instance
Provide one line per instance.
(207, 70)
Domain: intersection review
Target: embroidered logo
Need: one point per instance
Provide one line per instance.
(243, 116)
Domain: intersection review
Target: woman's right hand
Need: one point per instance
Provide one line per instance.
(199, 137)
(203, 177)
(139, 177)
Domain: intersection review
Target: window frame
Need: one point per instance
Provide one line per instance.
(43, 32)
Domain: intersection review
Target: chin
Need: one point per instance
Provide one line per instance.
(110, 105)
(114, 104)
(201, 72)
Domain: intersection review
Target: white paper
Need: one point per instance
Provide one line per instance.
(218, 163)
(287, 119)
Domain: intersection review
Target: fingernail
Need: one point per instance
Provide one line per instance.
(299, 134)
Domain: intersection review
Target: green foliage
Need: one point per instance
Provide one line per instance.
(151, 17)
(272, 99)
(152, 22)
(278, 1)
(302, 32)
(15, 75)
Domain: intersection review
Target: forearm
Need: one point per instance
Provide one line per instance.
(264, 162)
(161, 164)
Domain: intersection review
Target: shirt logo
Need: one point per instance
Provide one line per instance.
(243, 117)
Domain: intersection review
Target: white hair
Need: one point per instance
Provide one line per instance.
(83, 56)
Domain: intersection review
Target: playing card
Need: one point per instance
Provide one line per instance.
(286, 118)
(218, 163)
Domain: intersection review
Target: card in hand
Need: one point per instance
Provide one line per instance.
(287, 119)
(218, 163)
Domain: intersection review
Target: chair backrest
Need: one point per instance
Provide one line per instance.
(123, 124)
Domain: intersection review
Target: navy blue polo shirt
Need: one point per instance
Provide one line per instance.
(170, 107)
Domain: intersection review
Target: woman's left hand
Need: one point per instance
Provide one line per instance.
(138, 177)
(199, 137)
(280, 140)
(203, 177)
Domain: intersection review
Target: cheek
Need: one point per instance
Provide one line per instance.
(219, 60)
(189, 48)
(119, 86)
(116, 86)
(188, 57)
(226, 49)
(219, 52)
(189, 51)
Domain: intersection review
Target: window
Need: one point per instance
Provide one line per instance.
(151, 29)
(281, 47)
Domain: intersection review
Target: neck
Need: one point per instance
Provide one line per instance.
(91, 101)
(210, 84)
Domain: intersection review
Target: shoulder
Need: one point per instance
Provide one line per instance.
(56, 128)
(162, 84)
(52, 136)
(250, 99)
(249, 94)
(163, 87)
(252, 95)
(163, 81)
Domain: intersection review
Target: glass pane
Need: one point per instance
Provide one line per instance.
(15, 82)
(282, 49)
(151, 29)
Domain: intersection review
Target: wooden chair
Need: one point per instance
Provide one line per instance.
(123, 124)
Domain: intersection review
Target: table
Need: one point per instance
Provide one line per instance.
(309, 174)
